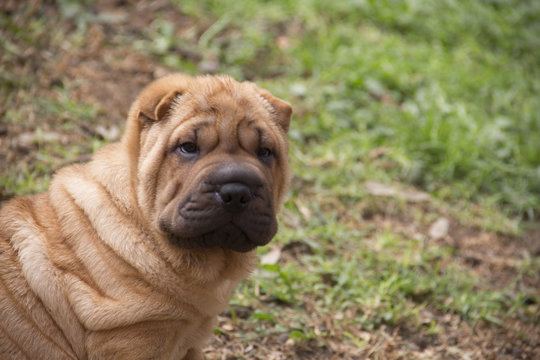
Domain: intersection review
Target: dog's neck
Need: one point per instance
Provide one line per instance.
(115, 176)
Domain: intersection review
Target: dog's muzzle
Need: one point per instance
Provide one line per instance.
(231, 207)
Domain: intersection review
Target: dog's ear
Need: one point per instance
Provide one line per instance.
(156, 99)
(155, 107)
(281, 109)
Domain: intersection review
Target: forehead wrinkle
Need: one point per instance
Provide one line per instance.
(230, 105)
(247, 127)
(265, 136)
(192, 124)
(230, 113)
(228, 125)
(196, 128)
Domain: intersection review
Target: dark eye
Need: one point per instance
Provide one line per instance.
(188, 149)
(265, 154)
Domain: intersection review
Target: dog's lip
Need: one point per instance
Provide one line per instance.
(201, 241)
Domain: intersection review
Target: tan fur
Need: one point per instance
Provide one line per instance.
(86, 272)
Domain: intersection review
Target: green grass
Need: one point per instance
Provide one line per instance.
(33, 171)
(365, 285)
(449, 88)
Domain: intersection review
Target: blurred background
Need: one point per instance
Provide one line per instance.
(411, 227)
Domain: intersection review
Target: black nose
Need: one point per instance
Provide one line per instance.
(235, 185)
(234, 196)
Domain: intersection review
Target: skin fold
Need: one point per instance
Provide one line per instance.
(133, 254)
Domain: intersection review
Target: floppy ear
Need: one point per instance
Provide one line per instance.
(156, 99)
(155, 106)
(281, 109)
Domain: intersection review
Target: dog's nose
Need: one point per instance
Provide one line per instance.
(235, 186)
(234, 196)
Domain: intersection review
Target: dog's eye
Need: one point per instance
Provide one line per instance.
(264, 154)
(188, 148)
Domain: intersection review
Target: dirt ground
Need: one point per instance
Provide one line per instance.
(105, 71)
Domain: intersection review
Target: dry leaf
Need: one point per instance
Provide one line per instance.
(271, 258)
(380, 189)
(439, 229)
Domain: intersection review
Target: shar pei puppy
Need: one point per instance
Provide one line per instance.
(133, 254)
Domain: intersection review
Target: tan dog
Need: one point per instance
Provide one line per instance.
(133, 254)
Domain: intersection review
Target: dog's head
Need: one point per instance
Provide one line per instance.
(209, 160)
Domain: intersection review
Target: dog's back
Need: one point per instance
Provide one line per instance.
(27, 330)
(134, 254)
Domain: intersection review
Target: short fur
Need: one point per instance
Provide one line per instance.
(99, 266)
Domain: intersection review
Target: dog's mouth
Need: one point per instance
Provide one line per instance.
(217, 228)
(230, 208)
(229, 236)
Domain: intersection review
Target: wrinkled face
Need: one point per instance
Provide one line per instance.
(223, 171)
